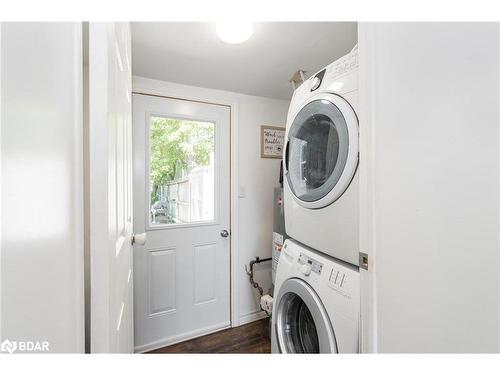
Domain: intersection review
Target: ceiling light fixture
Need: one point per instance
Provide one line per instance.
(234, 32)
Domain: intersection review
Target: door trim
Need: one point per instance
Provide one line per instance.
(233, 188)
(368, 278)
(98, 241)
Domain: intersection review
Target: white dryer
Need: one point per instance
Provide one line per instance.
(321, 188)
(316, 303)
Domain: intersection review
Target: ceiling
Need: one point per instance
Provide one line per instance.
(191, 53)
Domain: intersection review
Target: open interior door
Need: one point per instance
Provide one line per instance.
(110, 188)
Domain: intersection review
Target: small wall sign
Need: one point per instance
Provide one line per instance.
(272, 140)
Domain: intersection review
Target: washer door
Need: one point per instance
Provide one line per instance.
(321, 154)
(302, 324)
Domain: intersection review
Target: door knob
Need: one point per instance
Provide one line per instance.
(224, 233)
(139, 239)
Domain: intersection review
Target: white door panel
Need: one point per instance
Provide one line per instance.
(110, 148)
(182, 279)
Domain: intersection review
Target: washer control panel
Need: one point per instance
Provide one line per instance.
(309, 264)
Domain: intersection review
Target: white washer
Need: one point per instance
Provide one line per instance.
(316, 304)
(321, 189)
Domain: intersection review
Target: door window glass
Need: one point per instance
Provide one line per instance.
(317, 150)
(182, 173)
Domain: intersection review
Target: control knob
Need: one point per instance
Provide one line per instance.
(306, 269)
(315, 83)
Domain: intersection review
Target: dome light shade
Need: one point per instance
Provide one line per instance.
(234, 32)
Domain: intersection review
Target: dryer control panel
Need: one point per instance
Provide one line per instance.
(344, 65)
(314, 265)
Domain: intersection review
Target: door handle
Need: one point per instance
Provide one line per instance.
(224, 233)
(139, 239)
(285, 171)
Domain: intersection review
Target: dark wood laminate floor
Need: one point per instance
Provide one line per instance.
(249, 338)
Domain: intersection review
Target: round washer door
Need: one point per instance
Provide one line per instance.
(321, 153)
(302, 324)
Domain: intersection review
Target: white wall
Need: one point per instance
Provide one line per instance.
(41, 154)
(430, 162)
(257, 179)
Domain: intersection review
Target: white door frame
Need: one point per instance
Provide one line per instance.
(368, 308)
(53, 315)
(170, 93)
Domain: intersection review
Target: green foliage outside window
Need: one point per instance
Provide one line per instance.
(177, 147)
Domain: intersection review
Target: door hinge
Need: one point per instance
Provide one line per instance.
(363, 261)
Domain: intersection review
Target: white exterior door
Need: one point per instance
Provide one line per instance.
(110, 187)
(182, 201)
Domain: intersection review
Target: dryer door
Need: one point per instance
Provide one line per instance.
(302, 323)
(321, 153)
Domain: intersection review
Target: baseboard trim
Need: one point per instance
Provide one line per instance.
(252, 317)
(182, 337)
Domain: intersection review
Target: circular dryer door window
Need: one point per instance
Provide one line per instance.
(322, 150)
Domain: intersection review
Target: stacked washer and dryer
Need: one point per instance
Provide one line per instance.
(317, 289)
